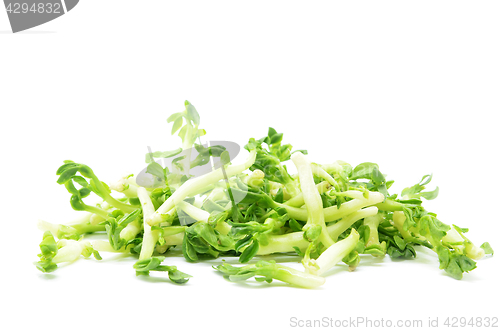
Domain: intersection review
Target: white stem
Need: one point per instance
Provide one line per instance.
(150, 237)
(474, 252)
(186, 147)
(131, 191)
(96, 219)
(255, 179)
(332, 167)
(47, 226)
(334, 213)
(338, 228)
(320, 172)
(284, 243)
(105, 246)
(194, 185)
(223, 228)
(335, 253)
(125, 185)
(298, 200)
(162, 248)
(70, 250)
(452, 236)
(373, 222)
(54, 228)
(131, 230)
(86, 216)
(217, 194)
(175, 239)
(398, 220)
(195, 212)
(312, 198)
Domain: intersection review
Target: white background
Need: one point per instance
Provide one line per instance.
(413, 86)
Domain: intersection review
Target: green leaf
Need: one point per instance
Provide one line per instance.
(376, 250)
(352, 259)
(436, 228)
(182, 132)
(383, 189)
(425, 180)
(173, 117)
(243, 242)
(407, 253)
(465, 263)
(443, 256)
(249, 252)
(400, 242)
(84, 192)
(67, 175)
(312, 233)
(178, 276)
(143, 267)
(214, 209)
(48, 246)
(266, 270)
(225, 158)
(460, 230)
(364, 170)
(177, 125)
(70, 186)
(129, 218)
(294, 225)
(364, 233)
(85, 171)
(80, 181)
(205, 231)
(46, 266)
(279, 196)
(188, 250)
(156, 170)
(377, 177)
(459, 264)
(487, 248)
(276, 138)
(201, 132)
(66, 166)
(454, 270)
(271, 132)
(192, 114)
(77, 203)
(148, 264)
(431, 194)
(113, 232)
(163, 155)
(298, 251)
(67, 232)
(96, 254)
(114, 225)
(415, 192)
